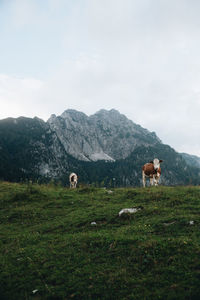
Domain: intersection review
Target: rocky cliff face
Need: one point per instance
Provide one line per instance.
(106, 135)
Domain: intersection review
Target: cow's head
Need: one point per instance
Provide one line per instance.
(156, 163)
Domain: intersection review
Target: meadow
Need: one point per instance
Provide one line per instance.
(60, 243)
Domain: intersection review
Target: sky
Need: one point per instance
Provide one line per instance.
(141, 57)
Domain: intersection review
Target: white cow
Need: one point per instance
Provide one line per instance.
(73, 180)
(153, 171)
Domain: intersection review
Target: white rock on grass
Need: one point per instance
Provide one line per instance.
(170, 223)
(128, 211)
(93, 223)
(109, 192)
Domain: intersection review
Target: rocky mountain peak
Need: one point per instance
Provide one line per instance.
(105, 135)
(108, 113)
(73, 115)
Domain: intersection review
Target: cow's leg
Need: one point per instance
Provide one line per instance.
(71, 184)
(143, 179)
(156, 180)
(151, 181)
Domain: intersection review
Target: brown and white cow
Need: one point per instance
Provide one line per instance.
(153, 171)
(73, 179)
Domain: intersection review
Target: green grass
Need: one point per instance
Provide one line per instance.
(47, 243)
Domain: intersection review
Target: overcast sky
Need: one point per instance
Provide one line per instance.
(141, 57)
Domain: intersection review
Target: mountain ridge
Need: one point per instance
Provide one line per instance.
(98, 148)
(108, 135)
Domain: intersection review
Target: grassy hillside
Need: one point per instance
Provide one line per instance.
(50, 250)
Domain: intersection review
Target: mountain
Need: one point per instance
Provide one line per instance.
(191, 160)
(105, 148)
(106, 135)
(30, 150)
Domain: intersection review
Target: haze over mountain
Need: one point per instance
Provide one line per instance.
(99, 147)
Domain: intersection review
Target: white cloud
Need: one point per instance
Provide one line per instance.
(23, 12)
(19, 96)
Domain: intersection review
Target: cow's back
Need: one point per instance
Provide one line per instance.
(148, 169)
